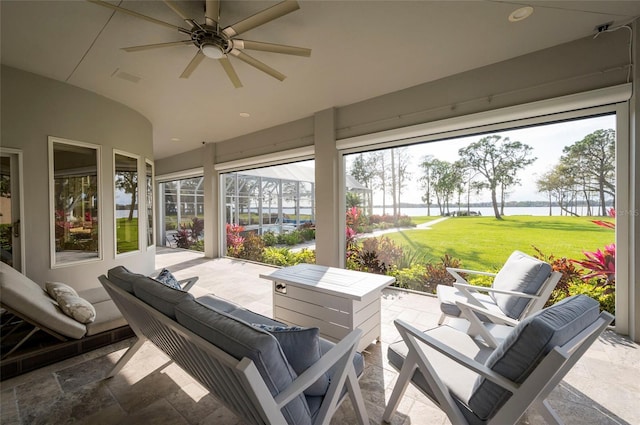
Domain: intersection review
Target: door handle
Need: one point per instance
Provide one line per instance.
(16, 228)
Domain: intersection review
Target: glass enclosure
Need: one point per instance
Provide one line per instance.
(182, 213)
(149, 177)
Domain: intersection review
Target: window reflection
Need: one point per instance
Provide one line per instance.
(126, 201)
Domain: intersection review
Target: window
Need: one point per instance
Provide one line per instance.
(182, 213)
(74, 201)
(149, 203)
(269, 213)
(126, 202)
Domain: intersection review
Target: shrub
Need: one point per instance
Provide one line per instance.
(269, 238)
(413, 277)
(292, 238)
(304, 256)
(570, 275)
(308, 234)
(252, 248)
(234, 240)
(404, 221)
(276, 256)
(437, 274)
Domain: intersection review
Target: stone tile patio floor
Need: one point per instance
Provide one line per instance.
(603, 388)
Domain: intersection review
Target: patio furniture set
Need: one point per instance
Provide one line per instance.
(498, 353)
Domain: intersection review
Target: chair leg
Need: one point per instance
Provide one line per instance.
(126, 357)
(441, 320)
(402, 382)
(353, 387)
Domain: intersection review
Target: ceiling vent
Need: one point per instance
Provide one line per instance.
(126, 76)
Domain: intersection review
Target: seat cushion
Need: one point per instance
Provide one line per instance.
(239, 339)
(29, 300)
(527, 345)
(236, 310)
(108, 317)
(158, 295)
(94, 295)
(522, 273)
(459, 379)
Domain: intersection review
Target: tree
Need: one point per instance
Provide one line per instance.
(363, 169)
(447, 177)
(498, 161)
(558, 184)
(426, 180)
(127, 181)
(353, 200)
(594, 157)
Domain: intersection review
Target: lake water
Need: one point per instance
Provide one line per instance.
(488, 211)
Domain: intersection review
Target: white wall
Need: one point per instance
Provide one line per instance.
(35, 107)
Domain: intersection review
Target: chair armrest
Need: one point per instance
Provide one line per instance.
(498, 319)
(494, 290)
(455, 355)
(477, 327)
(186, 284)
(457, 270)
(346, 347)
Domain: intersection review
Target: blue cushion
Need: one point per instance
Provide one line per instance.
(236, 311)
(525, 347)
(123, 278)
(301, 346)
(166, 278)
(158, 295)
(239, 339)
(522, 273)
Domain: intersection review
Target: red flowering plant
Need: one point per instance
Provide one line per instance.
(601, 265)
(235, 242)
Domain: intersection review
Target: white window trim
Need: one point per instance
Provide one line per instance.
(21, 228)
(150, 162)
(52, 224)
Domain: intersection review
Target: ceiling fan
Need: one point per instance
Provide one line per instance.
(219, 43)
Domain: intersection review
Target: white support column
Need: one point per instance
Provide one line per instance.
(634, 202)
(328, 230)
(212, 201)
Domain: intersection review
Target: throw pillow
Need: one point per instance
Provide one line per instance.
(166, 278)
(77, 308)
(55, 289)
(301, 347)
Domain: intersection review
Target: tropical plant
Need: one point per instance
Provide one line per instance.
(252, 248)
(234, 240)
(437, 274)
(600, 265)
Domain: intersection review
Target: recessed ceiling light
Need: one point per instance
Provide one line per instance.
(245, 114)
(520, 14)
(175, 139)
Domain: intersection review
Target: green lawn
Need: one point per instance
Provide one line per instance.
(127, 233)
(484, 243)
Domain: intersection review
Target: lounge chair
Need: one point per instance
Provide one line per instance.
(475, 384)
(521, 287)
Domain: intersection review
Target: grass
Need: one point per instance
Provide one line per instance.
(127, 235)
(484, 243)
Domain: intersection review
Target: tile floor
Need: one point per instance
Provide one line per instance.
(603, 388)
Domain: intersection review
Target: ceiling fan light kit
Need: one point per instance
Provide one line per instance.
(214, 43)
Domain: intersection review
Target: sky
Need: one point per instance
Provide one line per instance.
(547, 142)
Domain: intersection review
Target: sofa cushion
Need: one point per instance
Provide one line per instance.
(76, 308)
(522, 273)
(158, 295)
(525, 347)
(123, 278)
(236, 310)
(55, 289)
(301, 347)
(108, 317)
(94, 295)
(166, 277)
(239, 339)
(24, 296)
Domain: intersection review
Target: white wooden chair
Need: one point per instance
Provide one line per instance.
(473, 383)
(521, 287)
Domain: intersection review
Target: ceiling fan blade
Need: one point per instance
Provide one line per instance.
(231, 73)
(260, 18)
(137, 15)
(257, 64)
(178, 11)
(211, 12)
(156, 46)
(271, 47)
(192, 65)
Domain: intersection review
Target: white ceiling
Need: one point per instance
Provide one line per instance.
(360, 49)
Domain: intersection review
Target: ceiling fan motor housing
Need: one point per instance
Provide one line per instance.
(208, 41)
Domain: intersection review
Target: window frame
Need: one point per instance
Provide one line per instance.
(51, 140)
